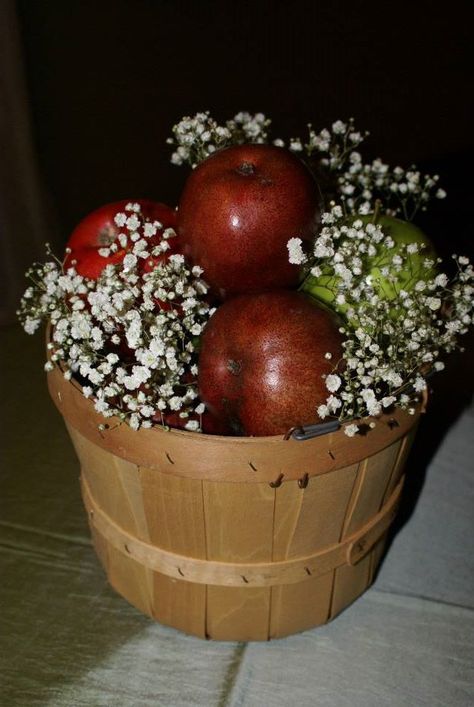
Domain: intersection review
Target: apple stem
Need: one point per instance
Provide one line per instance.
(377, 207)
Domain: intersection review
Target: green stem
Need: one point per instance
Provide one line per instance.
(377, 207)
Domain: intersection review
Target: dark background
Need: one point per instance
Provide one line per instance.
(108, 80)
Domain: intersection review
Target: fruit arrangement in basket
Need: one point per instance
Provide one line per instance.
(288, 288)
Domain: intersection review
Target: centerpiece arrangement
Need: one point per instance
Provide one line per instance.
(242, 376)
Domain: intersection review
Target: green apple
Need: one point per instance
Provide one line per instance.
(326, 287)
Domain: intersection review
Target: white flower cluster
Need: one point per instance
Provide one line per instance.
(337, 143)
(197, 137)
(400, 315)
(332, 153)
(403, 192)
(130, 336)
(358, 184)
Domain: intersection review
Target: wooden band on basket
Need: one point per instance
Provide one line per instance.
(231, 574)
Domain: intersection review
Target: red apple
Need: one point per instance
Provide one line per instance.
(210, 424)
(238, 210)
(262, 361)
(98, 230)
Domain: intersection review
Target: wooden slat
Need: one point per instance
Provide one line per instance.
(130, 579)
(399, 467)
(307, 520)
(173, 507)
(299, 607)
(101, 547)
(398, 471)
(239, 527)
(180, 604)
(157, 508)
(369, 491)
(114, 485)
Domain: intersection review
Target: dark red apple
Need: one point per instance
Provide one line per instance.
(210, 424)
(262, 361)
(238, 210)
(99, 230)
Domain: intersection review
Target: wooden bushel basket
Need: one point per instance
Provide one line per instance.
(236, 538)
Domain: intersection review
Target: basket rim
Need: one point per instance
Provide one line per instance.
(213, 457)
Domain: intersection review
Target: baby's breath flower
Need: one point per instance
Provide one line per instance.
(197, 137)
(333, 382)
(295, 250)
(135, 354)
(332, 152)
(323, 411)
(192, 425)
(390, 339)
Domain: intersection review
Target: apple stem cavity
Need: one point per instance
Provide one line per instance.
(106, 236)
(235, 367)
(246, 169)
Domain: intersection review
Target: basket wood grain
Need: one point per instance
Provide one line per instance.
(236, 538)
